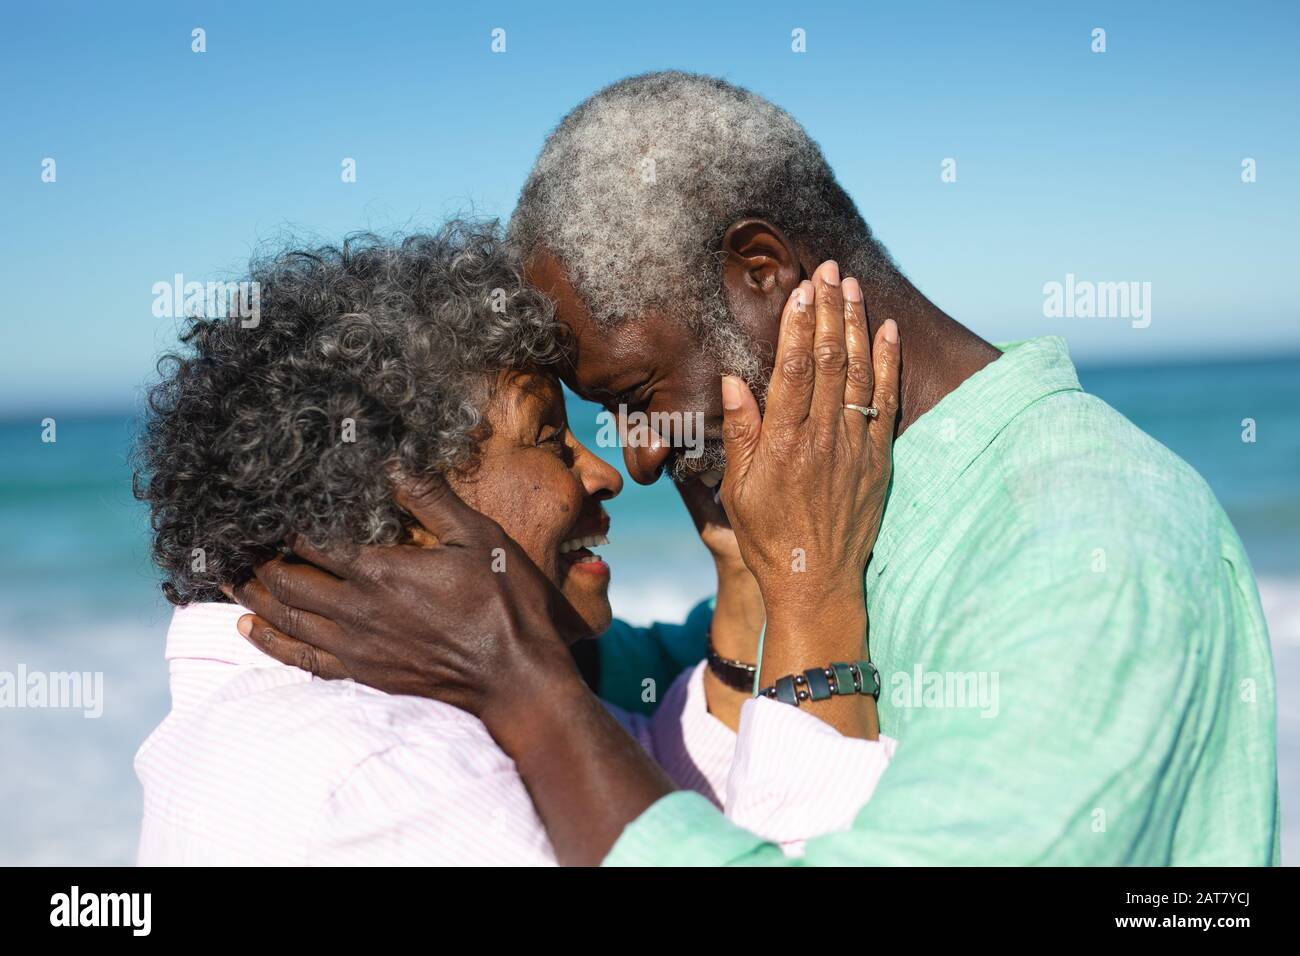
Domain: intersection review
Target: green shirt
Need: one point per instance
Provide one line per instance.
(1073, 655)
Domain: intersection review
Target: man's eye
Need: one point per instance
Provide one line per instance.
(555, 437)
(630, 398)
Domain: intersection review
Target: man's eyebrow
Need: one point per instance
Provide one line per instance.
(623, 395)
(597, 393)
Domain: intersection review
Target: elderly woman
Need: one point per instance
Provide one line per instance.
(383, 384)
(422, 358)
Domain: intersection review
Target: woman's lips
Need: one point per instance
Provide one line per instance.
(578, 544)
(576, 553)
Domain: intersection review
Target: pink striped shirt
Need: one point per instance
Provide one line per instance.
(260, 763)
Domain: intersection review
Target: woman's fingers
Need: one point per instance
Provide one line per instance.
(829, 353)
(859, 381)
(887, 357)
(790, 393)
(288, 650)
(741, 425)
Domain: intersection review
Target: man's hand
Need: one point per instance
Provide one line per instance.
(407, 619)
(438, 622)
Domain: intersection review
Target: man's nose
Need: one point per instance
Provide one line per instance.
(645, 459)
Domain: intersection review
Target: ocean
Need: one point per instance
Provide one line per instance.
(79, 593)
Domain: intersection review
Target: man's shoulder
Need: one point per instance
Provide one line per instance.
(1073, 465)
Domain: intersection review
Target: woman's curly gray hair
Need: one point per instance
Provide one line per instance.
(393, 344)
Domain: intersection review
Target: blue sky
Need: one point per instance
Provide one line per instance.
(1118, 166)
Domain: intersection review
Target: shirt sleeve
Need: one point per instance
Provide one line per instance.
(693, 747)
(796, 777)
(1093, 678)
(787, 776)
(639, 664)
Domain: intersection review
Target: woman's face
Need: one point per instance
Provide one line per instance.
(545, 489)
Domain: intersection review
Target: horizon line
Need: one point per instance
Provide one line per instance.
(90, 408)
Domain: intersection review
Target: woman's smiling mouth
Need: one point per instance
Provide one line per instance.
(577, 554)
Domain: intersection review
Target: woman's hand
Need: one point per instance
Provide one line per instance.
(805, 482)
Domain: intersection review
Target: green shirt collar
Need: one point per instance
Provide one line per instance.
(947, 439)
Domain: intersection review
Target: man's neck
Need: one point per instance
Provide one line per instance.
(938, 352)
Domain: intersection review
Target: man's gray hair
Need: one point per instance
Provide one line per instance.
(635, 188)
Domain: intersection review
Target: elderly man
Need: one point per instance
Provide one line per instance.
(1035, 544)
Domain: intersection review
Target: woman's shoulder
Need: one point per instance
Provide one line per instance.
(262, 755)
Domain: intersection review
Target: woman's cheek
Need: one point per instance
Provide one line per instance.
(545, 513)
(495, 493)
(553, 515)
(535, 502)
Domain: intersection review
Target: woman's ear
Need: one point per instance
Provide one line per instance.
(760, 268)
(422, 537)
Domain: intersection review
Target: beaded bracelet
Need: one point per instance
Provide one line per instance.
(820, 683)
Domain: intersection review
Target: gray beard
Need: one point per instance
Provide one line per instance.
(736, 354)
(714, 455)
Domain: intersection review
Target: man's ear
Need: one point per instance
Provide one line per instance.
(760, 268)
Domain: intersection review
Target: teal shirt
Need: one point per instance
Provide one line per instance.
(638, 664)
(1073, 654)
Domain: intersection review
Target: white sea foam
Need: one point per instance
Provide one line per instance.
(72, 797)
(1280, 598)
(645, 602)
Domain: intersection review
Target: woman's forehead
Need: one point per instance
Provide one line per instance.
(527, 394)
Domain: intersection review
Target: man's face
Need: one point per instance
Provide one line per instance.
(652, 364)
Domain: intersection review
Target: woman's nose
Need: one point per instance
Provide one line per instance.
(599, 479)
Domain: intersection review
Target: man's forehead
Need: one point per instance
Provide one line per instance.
(599, 353)
(603, 359)
(547, 273)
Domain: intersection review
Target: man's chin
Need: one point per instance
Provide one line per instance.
(686, 470)
(710, 478)
(707, 467)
